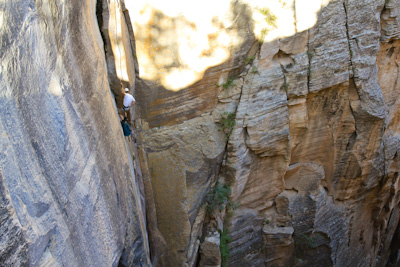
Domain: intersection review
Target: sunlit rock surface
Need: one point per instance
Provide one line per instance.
(313, 157)
(67, 188)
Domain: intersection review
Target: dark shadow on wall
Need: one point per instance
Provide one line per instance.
(394, 259)
(159, 106)
(103, 17)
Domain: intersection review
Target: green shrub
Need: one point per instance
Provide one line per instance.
(283, 3)
(249, 59)
(227, 122)
(228, 84)
(269, 17)
(285, 86)
(264, 32)
(218, 197)
(254, 70)
(223, 246)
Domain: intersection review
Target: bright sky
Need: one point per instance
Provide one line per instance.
(178, 46)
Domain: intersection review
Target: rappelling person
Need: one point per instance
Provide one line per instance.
(129, 100)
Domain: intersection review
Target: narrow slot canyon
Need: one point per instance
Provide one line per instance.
(263, 133)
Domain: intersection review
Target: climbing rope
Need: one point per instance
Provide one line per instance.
(116, 36)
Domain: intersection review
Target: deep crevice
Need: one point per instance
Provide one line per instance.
(100, 20)
(394, 249)
(309, 55)
(353, 68)
(285, 85)
(222, 166)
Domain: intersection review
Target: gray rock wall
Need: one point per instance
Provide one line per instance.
(67, 182)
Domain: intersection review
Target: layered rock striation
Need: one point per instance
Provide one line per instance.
(267, 134)
(311, 155)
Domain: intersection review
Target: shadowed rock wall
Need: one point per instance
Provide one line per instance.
(68, 192)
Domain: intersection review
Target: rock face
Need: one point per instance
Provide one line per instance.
(67, 185)
(267, 133)
(311, 153)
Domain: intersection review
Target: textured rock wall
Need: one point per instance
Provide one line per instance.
(68, 194)
(313, 157)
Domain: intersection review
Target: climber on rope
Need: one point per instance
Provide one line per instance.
(129, 100)
(124, 112)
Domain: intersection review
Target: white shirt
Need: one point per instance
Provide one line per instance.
(128, 100)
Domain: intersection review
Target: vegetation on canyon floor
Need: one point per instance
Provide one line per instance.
(219, 199)
(223, 247)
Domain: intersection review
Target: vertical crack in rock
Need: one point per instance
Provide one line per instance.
(335, 127)
(117, 33)
(223, 218)
(309, 55)
(285, 82)
(351, 53)
(99, 15)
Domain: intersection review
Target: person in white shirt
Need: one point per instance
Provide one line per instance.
(129, 100)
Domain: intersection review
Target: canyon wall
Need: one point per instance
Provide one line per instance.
(293, 105)
(266, 133)
(69, 194)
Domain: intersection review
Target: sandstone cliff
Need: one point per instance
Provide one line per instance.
(267, 133)
(67, 182)
(299, 117)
